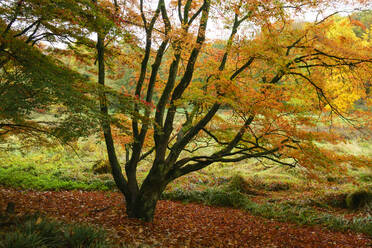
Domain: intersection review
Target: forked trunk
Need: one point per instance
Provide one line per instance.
(144, 204)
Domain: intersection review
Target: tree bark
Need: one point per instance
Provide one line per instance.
(145, 204)
(105, 122)
(143, 207)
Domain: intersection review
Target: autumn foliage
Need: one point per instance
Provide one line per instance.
(273, 88)
(177, 224)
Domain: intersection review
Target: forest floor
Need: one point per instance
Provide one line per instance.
(176, 224)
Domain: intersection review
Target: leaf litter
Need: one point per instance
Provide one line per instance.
(176, 224)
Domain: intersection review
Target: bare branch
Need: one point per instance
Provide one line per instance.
(197, 13)
(179, 11)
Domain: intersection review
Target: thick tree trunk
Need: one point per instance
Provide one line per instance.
(144, 204)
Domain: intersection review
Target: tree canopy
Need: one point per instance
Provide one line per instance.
(33, 83)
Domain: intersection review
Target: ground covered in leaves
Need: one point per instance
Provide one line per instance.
(176, 224)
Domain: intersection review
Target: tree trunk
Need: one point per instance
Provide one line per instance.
(144, 207)
(144, 204)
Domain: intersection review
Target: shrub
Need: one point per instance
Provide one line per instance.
(101, 167)
(49, 230)
(214, 197)
(22, 240)
(84, 236)
(181, 195)
(222, 198)
(336, 200)
(237, 183)
(37, 232)
(358, 199)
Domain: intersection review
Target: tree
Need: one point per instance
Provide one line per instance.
(362, 21)
(273, 85)
(266, 92)
(33, 81)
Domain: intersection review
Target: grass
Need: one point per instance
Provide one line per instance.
(239, 192)
(267, 190)
(36, 231)
(213, 197)
(51, 169)
(286, 212)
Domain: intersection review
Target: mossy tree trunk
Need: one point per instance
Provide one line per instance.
(145, 203)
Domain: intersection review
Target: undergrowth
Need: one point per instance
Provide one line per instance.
(233, 195)
(50, 169)
(20, 177)
(38, 232)
(219, 185)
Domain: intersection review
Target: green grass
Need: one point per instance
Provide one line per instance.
(38, 232)
(16, 177)
(49, 169)
(229, 185)
(213, 197)
(237, 193)
(286, 212)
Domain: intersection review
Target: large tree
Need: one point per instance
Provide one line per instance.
(264, 96)
(268, 90)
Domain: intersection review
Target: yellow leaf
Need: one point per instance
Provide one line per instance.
(38, 221)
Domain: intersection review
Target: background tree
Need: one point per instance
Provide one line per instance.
(362, 20)
(40, 95)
